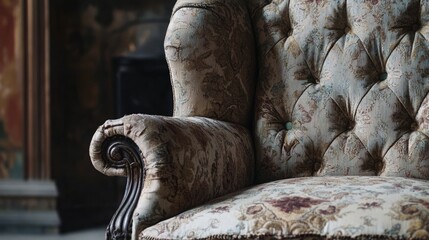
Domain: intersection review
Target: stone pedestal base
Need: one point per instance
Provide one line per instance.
(28, 207)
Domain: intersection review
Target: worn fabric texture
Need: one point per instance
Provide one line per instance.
(209, 48)
(340, 122)
(315, 207)
(343, 88)
(187, 161)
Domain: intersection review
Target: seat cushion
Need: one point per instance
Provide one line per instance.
(314, 207)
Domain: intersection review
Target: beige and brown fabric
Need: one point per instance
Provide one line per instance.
(353, 207)
(187, 161)
(204, 151)
(338, 90)
(343, 88)
(209, 48)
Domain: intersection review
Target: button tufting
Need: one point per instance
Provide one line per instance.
(288, 126)
(351, 124)
(379, 165)
(382, 76)
(347, 29)
(416, 27)
(316, 166)
(414, 126)
(312, 79)
(290, 33)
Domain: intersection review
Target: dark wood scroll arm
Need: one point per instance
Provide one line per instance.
(122, 153)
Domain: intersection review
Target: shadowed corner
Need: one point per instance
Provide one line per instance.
(66, 67)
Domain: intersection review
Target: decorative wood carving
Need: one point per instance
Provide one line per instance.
(121, 152)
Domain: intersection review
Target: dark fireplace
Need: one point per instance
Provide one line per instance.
(142, 86)
(141, 78)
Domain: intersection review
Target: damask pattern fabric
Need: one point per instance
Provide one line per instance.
(343, 88)
(314, 207)
(209, 47)
(187, 161)
(341, 114)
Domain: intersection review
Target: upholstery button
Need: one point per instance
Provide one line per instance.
(414, 126)
(382, 76)
(311, 79)
(317, 166)
(290, 33)
(416, 27)
(378, 166)
(351, 125)
(288, 126)
(347, 29)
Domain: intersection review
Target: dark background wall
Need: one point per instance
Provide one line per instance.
(86, 35)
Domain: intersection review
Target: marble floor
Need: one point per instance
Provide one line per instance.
(91, 234)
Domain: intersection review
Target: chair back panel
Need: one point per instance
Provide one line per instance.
(342, 88)
(209, 48)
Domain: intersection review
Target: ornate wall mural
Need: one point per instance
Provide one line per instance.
(11, 91)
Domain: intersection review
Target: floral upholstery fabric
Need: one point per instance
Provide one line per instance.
(209, 48)
(328, 207)
(187, 161)
(340, 113)
(343, 88)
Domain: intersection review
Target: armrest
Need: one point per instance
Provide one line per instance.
(172, 164)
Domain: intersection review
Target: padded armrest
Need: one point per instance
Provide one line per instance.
(185, 161)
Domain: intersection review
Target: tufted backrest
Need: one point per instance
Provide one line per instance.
(342, 88)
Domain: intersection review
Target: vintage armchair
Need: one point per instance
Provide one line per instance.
(293, 120)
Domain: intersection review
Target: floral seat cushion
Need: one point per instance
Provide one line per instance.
(314, 207)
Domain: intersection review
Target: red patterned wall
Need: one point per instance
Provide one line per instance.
(11, 93)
